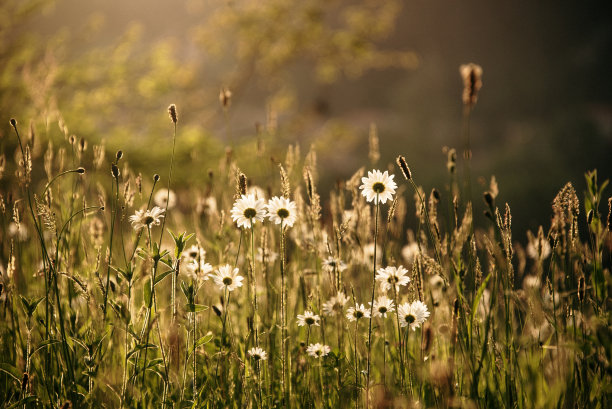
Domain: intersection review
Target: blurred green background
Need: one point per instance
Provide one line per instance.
(318, 73)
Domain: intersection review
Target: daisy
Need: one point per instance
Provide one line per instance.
(162, 197)
(256, 191)
(379, 185)
(410, 251)
(317, 350)
(146, 218)
(382, 306)
(194, 264)
(335, 304)
(206, 206)
(308, 318)
(282, 210)
(227, 277)
(538, 248)
(368, 253)
(357, 312)
(392, 276)
(412, 314)
(248, 210)
(331, 263)
(258, 354)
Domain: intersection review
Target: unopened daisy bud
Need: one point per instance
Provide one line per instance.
(172, 113)
(590, 217)
(401, 162)
(119, 154)
(114, 170)
(82, 145)
(216, 310)
(80, 170)
(72, 140)
(242, 183)
(13, 122)
(156, 177)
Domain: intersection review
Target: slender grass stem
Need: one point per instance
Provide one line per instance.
(372, 302)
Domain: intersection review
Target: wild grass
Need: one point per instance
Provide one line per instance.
(292, 302)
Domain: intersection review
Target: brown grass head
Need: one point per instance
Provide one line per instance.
(472, 82)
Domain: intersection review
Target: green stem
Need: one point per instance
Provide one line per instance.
(372, 303)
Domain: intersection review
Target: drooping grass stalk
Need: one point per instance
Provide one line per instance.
(372, 302)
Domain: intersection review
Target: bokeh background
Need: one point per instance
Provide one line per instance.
(318, 73)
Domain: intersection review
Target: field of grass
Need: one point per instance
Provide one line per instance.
(119, 289)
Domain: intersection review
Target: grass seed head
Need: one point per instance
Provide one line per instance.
(472, 82)
(401, 162)
(610, 214)
(172, 113)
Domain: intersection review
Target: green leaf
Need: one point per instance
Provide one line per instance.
(196, 307)
(162, 276)
(481, 289)
(146, 290)
(11, 370)
(138, 348)
(23, 401)
(45, 344)
(204, 340)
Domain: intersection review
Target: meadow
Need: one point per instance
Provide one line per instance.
(119, 289)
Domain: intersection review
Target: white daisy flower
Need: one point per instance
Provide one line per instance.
(391, 276)
(194, 264)
(331, 263)
(357, 312)
(335, 305)
(146, 218)
(227, 277)
(308, 318)
(413, 314)
(378, 184)
(162, 197)
(368, 254)
(283, 210)
(382, 306)
(317, 350)
(538, 248)
(247, 209)
(256, 191)
(257, 354)
(206, 206)
(410, 251)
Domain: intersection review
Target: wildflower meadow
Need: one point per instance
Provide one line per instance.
(167, 275)
(118, 291)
